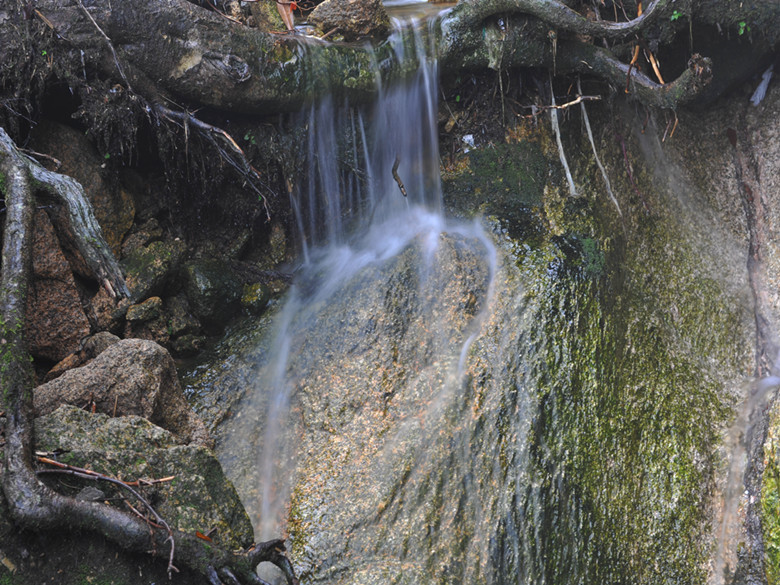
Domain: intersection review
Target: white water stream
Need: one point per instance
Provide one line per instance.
(372, 190)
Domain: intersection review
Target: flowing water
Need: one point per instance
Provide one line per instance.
(436, 402)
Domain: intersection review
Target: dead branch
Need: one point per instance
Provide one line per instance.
(137, 483)
(224, 144)
(397, 178)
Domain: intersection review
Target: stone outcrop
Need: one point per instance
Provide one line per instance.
(56, 322)
(131, 377)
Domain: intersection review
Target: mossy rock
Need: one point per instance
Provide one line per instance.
(213, 290)
(255, 298)
(770, 498)
(198, 498)
(267, 17)
(146, 311)
(501, 180)
(151, 268)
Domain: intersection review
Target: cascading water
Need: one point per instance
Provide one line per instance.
(438, 404)
(371, 199)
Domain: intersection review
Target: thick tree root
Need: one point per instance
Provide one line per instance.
(85, 228)
(31, 503)
(556, 14)
(201, 59)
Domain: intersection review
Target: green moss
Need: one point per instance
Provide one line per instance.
(625, 440)
(770, 501)
(503, 180)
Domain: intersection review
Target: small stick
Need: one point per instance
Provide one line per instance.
(396, 164)
(330, 32)
(579, 99)
(57, 163)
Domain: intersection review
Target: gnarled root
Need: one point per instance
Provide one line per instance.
(31, 503)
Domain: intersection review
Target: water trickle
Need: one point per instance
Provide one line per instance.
(369, 216)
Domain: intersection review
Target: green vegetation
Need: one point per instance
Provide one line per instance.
(505, 180)
(770, 502)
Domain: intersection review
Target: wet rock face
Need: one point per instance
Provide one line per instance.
(353, 19)
(130, 377)
(198, 498)
(56, 322)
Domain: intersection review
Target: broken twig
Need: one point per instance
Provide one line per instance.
(396, 164)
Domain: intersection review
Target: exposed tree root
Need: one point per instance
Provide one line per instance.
(87, 233)
(559, 16)
(31, 503)
(200, 58)
(595, 153)
(224, 144)
(557, 131)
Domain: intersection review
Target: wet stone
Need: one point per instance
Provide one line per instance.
(146, 311)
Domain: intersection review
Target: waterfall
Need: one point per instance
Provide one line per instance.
(371, 165)
(445, 402)
(368, 209)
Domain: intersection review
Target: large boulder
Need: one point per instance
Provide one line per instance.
(353, 19)
(198, 498)
(56, 322)
(130, 377)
